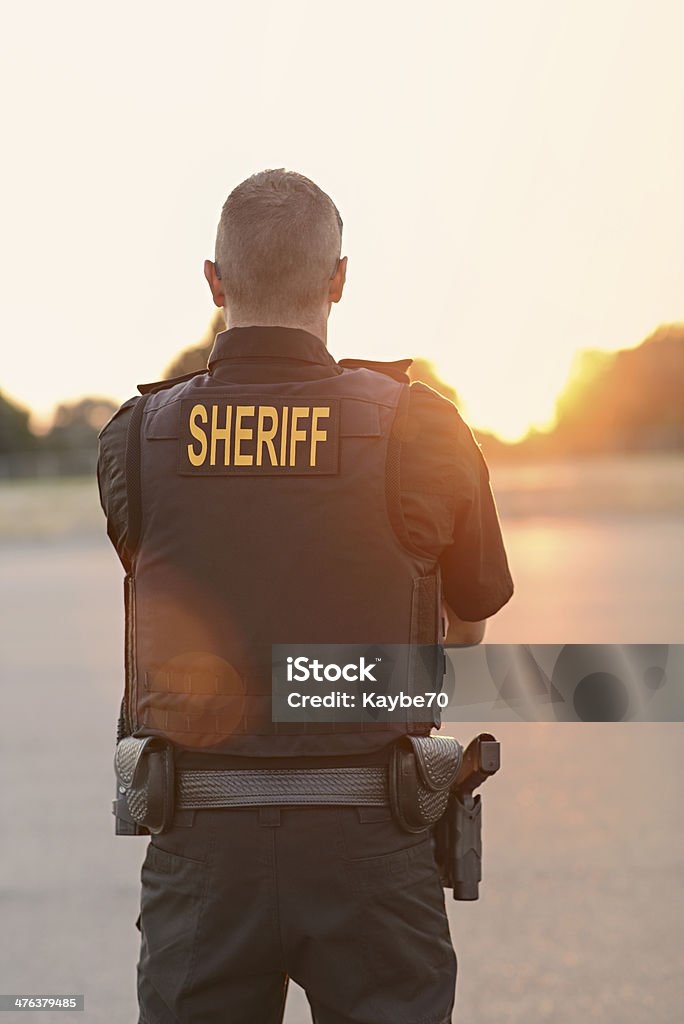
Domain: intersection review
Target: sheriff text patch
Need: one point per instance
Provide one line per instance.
(274, 435)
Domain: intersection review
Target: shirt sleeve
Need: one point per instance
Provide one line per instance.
(476, 579)
(111, 476)
(448, 506)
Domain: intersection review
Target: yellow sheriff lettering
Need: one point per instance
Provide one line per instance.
(243, 434)
(271, 439)
(283, 437)
(220, 434)
(299, 412)
(319, 412)
(265, 436)
(198, 413)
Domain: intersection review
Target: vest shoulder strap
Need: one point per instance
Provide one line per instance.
(162, 385)
(396, 369)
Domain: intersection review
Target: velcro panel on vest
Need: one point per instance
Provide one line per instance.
(425, 610)
(194, 727)
(199, 699)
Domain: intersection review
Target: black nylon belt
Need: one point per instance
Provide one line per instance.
(197, 789)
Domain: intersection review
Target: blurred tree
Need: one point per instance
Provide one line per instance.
(422, 370)
(195, 358)
(76, 424)
(15, 433)
(626, 401)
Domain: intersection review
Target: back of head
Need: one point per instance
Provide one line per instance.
(277, 246)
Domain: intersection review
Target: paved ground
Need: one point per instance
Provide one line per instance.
(581, 911)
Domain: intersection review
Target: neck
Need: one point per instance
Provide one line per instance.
(316, 325)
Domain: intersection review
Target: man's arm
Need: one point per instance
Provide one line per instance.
(458, 631)
(111, 476)
(475, 574)
(441, 456)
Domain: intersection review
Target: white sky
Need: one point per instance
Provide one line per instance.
(509, 174)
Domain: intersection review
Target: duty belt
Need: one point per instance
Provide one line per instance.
(429, 781)
(199, 788)
(416, 784)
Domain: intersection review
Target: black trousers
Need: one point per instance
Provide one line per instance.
(337, 898)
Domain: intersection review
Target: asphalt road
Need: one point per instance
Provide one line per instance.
(581, 909)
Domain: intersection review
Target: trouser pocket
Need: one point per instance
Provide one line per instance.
(173, 889)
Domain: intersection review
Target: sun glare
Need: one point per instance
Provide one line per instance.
(505, 399)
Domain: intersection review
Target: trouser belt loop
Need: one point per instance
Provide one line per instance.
(269, 817)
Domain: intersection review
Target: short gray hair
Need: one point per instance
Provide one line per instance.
(278, 244)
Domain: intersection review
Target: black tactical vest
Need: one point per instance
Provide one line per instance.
(263, 514)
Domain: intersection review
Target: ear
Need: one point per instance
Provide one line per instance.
(336, 286)
(215, 283)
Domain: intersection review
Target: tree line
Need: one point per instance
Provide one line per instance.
(622, 402)
(68, 447)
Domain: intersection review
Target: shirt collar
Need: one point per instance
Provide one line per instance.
(270, 343)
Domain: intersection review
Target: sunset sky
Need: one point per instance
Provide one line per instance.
(509, 174)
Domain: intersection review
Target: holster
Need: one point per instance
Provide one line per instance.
(422, 770)
(458, 833)
(145, 785)
(458, 845)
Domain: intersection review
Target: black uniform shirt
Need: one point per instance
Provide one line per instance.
(438, 454)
